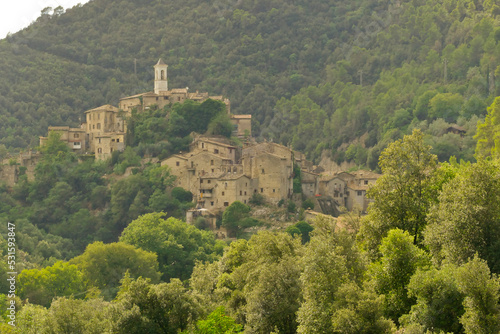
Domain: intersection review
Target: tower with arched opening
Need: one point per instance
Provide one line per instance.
(161, 81)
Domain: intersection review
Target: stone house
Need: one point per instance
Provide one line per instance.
(349, 189)
(73, 137)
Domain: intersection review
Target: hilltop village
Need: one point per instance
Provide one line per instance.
(216, 171)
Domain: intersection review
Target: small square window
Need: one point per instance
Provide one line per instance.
(222, 193)
(209, 181)
(226, 203)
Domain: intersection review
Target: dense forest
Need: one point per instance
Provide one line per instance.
(327, 77)
(424, 260)
(101, 246)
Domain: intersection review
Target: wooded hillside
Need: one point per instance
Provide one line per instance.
(345, 77)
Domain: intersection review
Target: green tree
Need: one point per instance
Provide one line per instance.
(146, 308)
(439, 303)
(40, 286)
(482, 313)
(391, 274)
(330, 260)
(404, 193)
(177, 244)
(72, 316)
(488, 132)
(104, 265)
(233, 215)
(359, 310)
(218, 322)
(467, 219)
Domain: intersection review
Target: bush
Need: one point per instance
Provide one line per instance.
(257, 199)
(291, 206)
(308, 204)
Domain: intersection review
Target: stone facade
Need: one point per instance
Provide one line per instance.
(218, 173)
(75, 138)
(23, 164)
(349, 189)
(105, 128)
(242, 125)
(162, 96)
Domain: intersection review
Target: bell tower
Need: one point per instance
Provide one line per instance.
(161, 82)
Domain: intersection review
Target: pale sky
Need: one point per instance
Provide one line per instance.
(18, 14)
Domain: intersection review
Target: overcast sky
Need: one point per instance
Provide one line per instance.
(18, 14)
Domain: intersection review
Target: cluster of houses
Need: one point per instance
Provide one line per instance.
(105, 127)
(214, 170)
(219, 173)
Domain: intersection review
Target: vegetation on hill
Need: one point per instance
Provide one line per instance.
(424, 260)
(369, 73)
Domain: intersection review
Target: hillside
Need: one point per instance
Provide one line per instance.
(345, 77)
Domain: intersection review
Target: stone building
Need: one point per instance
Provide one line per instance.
(218, 173)
(242, 125)
(73, 137)
(162, 96)
(105, 127)
(349, 189)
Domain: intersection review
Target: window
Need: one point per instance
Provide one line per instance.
(113, 140)
(117, 140)
(211, 162)
(211, 203)
(261, 190)
(245, 193)
(213, 170)
(93, 126)
(216, 151)
(274, 190)
(209, 181)
(222, 193)
(201, 181)
(366, 181)
(263, 171)
(98, 126)
(360, 193)
(245, 201)
(99, 150)
(177, 163)
(90, 117)
(99, 140)
(226, 203)
(241, 192)
(77, 143)
(202, 145)
(98, 116)
(76, 135)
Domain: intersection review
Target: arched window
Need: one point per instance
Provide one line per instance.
(162, 75)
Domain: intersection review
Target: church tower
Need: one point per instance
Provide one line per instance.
(161, 82)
